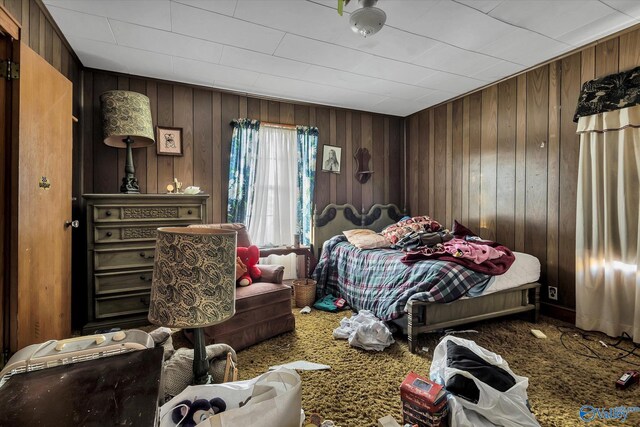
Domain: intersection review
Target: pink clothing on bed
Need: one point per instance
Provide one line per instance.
(475, 252)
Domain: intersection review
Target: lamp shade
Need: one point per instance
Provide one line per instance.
(194, 282)
(126, 114)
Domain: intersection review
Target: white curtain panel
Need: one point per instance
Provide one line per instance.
(273, 215)
(608, 214)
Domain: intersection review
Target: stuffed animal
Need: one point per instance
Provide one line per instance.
(190, 414)
(249, 257)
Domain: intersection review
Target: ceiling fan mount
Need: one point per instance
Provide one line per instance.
(367, 20)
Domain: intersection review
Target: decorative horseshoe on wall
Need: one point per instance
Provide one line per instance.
(362, 157)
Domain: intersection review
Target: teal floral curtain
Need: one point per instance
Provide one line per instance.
(242, 170)
(307, 147)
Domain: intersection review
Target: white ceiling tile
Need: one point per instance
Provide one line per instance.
(598, 29)
(262, 63)
(225, 7)
(498, 71)
(78, 24)
(436, 98)
(550, 17)
(150, 13)
(346, 80)
(452, 59)
(388, 69)
(122, 59)
(525, 47)
(484, 6)
(223, 29)
(209, 73)
(629, 7)
(166, 42)
(390, 43)
(397, 107)
(319, 53)
(447, 21)
(453, 83)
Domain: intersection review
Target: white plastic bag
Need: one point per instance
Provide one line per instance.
(275, 401)
(494, 408)
(364, 330)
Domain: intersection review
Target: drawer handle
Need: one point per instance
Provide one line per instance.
(145, 301)
(145, 256)
(108, 213)
(145, 278)
(189, 211)
(109, 234)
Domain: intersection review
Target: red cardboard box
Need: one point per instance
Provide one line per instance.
(424, 402)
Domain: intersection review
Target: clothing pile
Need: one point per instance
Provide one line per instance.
(364, 330)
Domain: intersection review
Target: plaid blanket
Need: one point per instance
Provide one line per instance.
(376, 280)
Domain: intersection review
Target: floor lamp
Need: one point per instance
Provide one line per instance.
(194, 284)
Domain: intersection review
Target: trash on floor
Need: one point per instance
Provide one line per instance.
(364, 330)
(301, 365)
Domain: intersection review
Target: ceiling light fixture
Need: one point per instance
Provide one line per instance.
(367, 20)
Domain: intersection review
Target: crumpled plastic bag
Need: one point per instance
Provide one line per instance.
(494, 408)
(364, 330)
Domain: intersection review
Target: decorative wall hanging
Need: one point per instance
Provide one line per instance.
(169, 141)
(331, 158)
(362, 157)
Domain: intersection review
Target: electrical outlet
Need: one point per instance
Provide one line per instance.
(553, 293)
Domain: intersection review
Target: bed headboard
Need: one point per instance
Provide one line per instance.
(334, 219)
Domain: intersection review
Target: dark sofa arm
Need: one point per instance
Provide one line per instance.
(271, 273)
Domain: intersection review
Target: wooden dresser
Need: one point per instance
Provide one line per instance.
(121, 238)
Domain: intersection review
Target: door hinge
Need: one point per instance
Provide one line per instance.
(9, 70)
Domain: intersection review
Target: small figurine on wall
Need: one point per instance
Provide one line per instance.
(362, 157)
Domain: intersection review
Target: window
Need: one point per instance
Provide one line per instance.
(271, 181)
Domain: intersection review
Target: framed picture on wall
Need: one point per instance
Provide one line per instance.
(331, 159)
(168, 141)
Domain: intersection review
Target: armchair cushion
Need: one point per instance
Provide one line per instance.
(271, 273)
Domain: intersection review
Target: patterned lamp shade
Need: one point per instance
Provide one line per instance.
(126, 114)
(194, 282)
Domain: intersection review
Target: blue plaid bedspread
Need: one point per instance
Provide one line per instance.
(378, 281)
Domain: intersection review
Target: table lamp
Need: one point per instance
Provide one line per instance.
(194, 284)
(127, 124)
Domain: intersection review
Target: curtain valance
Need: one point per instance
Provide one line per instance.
(610, 120)
(609, 93)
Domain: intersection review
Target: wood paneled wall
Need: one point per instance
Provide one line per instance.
(205, 116)
(504, 161)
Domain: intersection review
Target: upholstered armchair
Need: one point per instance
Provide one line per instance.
(263, 309)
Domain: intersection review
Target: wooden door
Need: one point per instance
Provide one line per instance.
(5, 120)
(44, 162)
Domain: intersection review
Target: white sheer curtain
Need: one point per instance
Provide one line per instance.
(273, 216)
(608, 215)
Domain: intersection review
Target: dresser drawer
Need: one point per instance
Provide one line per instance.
(109, 259)
(146, 213)
(122, 305)
(125, 233)
(107, 283)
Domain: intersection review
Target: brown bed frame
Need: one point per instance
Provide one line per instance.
(426, 316)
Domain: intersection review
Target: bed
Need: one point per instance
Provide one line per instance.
(502, 297)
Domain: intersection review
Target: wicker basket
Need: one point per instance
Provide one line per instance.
(304, 292)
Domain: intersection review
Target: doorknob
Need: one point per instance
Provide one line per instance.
(75, 223)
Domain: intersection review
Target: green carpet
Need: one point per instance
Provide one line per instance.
(363, 386)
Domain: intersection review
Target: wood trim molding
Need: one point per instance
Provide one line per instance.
(558, 312)
(8, 24)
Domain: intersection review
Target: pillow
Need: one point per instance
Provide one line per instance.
(460, 230)
(366, 239)
(402, 228)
